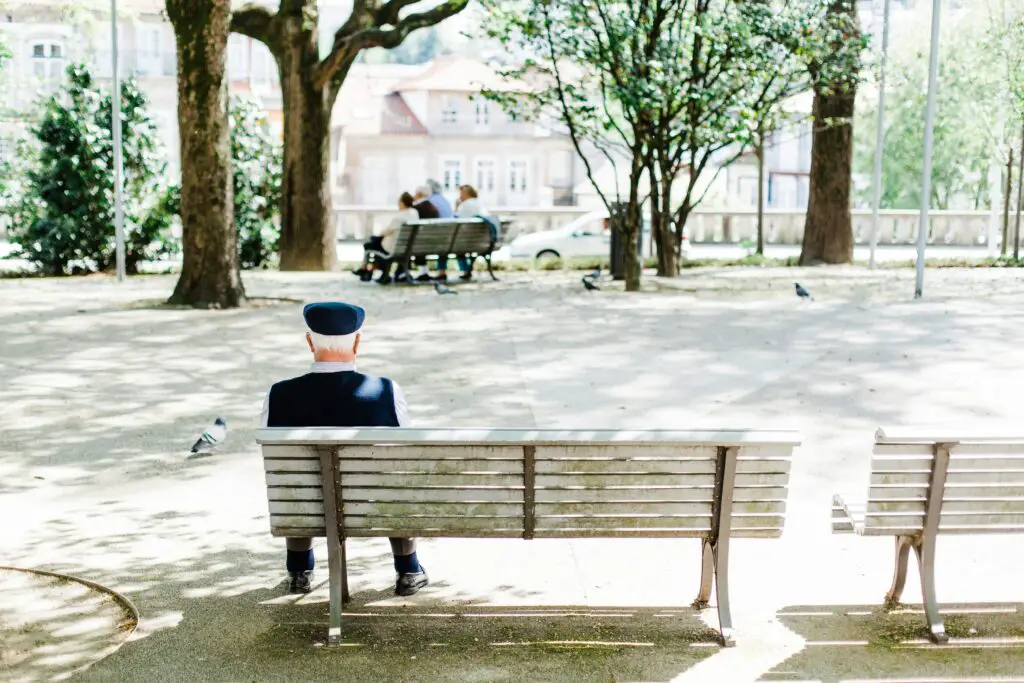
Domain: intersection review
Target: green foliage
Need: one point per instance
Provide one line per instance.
(965, 144)
(63, 201)
(256, 160)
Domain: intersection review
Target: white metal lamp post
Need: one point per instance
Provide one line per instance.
(118, 165)
(879, 136)
(929, 131)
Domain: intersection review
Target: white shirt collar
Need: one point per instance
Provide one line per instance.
(333, 366)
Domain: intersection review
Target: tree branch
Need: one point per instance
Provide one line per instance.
(349, 41)
(257, 23)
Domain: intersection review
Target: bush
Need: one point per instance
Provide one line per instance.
(256, 168)
(62, 201)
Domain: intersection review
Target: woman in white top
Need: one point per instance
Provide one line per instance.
(383, 241)
(468, 206)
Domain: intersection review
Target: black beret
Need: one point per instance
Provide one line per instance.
(333, 318)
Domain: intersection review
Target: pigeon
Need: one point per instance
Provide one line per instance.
(802, 293)
(596, 275)
(216, 433)
(442, 289)
(590, 286)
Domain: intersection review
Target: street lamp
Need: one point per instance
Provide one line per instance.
(929, 131)
(879, 135)
(118, 165)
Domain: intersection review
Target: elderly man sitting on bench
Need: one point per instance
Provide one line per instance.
(334, 394)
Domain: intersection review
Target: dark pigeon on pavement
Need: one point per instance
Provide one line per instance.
(802, 293)
(590, 286)
(442, 289)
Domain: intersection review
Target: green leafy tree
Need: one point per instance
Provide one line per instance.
(63, 208)
(256, 169)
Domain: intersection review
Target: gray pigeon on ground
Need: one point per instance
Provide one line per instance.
(442, 289)
(802, 293)
(590, 286)
(595, 275)
(214, 435)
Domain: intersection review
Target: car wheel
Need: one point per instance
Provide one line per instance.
(547, 256)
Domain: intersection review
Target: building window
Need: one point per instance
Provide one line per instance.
(484, 175)
(483, 112)
(517, 176)
(47, 60)
(450, 111)
(451, 175)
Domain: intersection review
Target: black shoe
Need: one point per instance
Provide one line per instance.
(440, 278)
(366, 276)
(384, 280)
(423, 277)
(359, 272)
(410, 584)
(300, 582)
(466, 277)
(403, 277)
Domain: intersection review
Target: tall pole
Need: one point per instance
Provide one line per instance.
(879, 135)
(1020, 177)
(118, 165)
(929, 134)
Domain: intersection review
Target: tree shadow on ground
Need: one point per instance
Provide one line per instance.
(867, 642)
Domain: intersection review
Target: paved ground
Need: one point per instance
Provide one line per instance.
(53, 626)
(103, 391)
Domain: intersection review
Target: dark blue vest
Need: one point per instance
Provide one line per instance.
(333, 399)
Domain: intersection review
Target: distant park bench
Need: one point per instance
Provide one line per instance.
(526, 483)
(470, 238)
(926, 483)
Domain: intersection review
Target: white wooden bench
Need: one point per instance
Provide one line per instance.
(930, 482)
(522, 483)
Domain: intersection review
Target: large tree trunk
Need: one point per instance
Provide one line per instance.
(308, 240)
(210, 276)
(659, 218)
(669, 261)
(828, 229)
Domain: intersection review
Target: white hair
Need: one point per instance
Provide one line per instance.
(424, 190)
(333, 342)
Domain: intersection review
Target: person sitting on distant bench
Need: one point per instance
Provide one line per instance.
(469, 206)
(383, 242)
(425, 209)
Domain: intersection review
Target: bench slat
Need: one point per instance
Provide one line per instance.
(434, 533)
(424, 452)
(290, 465)
(627, 451)
(643, 494)
(421, 466)
(298, 532)
(410, 480)
(978, 505)
(308, 493)
(555, 509)
(772, 532)
(309, 521)
(659, 522)
(282, 507)
(1005, 477)
(612, 467)
(294, 479)
(416, 523)
(385, 509)
(654, 479)
(441, 495)
(289, 451)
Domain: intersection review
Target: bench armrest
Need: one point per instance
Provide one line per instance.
(847, 518)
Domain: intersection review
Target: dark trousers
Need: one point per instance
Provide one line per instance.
(399, 546)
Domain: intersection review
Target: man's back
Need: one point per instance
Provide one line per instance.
(333, 399)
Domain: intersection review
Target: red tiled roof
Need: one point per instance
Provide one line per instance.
(398, 119)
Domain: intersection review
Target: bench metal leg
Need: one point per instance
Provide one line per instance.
(715, 566)
(899, 577)
(338, 589)
(722, 592)
(707, 575)
(345, 596)
(926, 561)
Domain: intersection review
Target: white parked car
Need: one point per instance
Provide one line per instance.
(588, 235)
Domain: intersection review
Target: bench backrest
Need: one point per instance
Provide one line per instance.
(978, 481)
(432, 237)
(527, 483)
